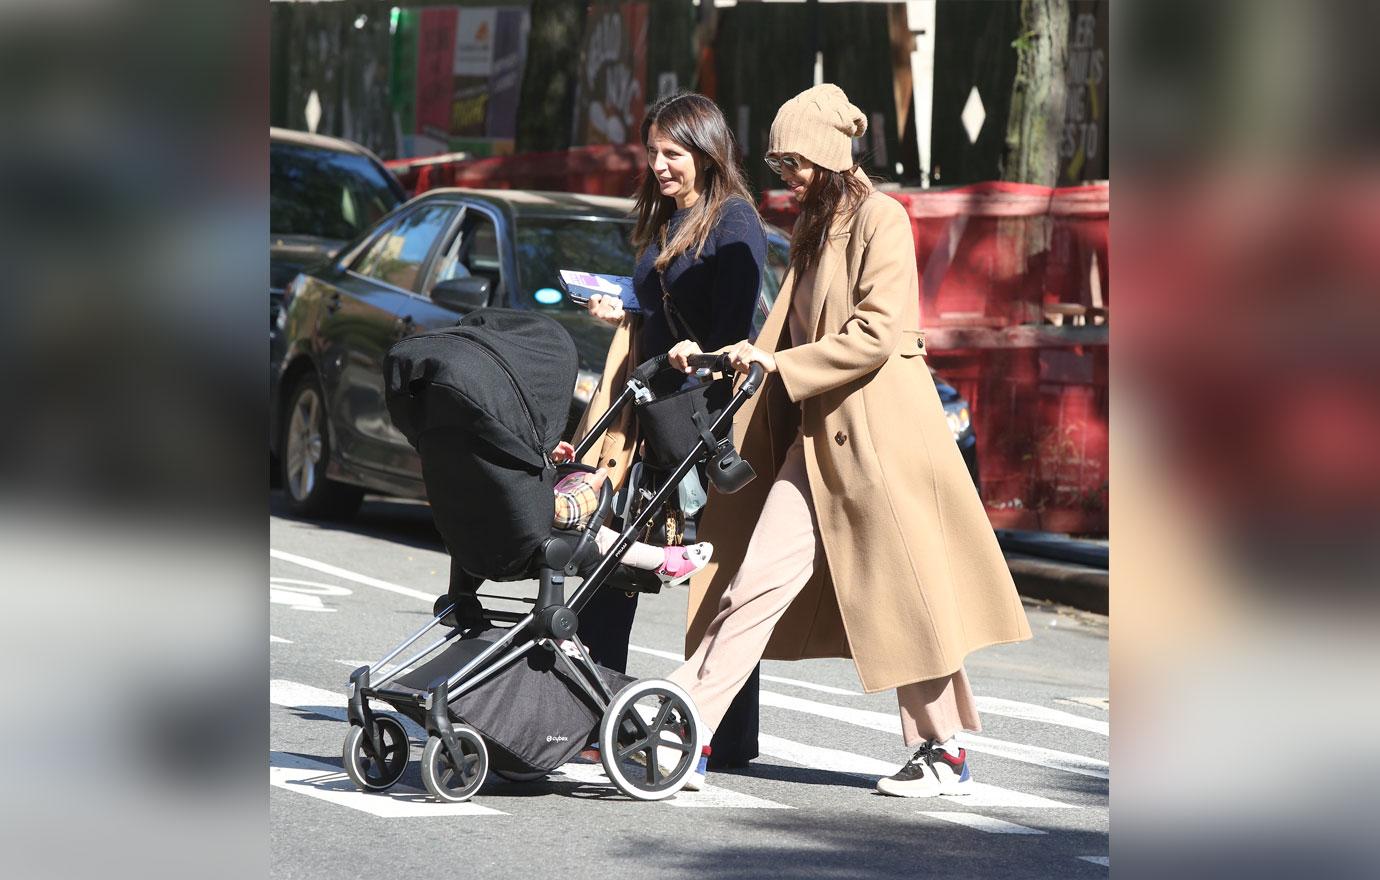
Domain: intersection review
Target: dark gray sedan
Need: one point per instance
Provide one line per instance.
(433, 259)
(430, 261)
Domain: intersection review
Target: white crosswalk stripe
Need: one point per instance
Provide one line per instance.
(328, 783)
(986, 705)
(1043, 714)
(891, 723)
(331, 704)
(981, 795)
(346, 574)
(979, 822)
(304, 697)
(710, 796)
(795, 682)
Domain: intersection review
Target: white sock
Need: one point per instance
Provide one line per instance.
(950, 745)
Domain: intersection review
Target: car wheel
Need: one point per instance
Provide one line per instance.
(306, 451)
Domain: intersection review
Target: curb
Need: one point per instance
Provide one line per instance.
(1080, 586)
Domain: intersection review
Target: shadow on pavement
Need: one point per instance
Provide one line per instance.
(399, 521)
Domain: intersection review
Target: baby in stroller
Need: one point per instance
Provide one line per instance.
(577, 501)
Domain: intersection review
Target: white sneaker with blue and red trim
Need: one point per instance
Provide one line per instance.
(931, 771)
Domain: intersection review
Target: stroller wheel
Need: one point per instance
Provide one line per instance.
(376, 772)
(451, 778)
(649, 739)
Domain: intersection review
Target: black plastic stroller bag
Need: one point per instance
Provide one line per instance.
(674, 414)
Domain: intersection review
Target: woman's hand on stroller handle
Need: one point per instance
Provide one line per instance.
(718, 363)
(743, 355)
(680, 353)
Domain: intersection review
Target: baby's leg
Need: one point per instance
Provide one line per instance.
(639, 555)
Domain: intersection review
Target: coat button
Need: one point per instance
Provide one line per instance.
(840, 438)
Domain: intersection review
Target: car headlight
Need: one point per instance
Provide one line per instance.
(289, 293)
(585, 384)
(959, 420)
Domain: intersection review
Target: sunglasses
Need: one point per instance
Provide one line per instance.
(786, 161)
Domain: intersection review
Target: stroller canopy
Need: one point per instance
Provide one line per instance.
(502, 375)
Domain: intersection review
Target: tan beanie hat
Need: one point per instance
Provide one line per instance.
(820, 125)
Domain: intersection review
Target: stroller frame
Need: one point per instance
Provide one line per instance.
(552, 618)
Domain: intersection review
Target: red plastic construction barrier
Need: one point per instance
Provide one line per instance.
(1014, 300)
(601, 170)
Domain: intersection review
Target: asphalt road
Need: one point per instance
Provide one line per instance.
(342, 595)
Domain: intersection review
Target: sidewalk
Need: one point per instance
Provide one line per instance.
(1052, 566)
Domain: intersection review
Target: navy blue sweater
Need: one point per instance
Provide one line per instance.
(714, 294)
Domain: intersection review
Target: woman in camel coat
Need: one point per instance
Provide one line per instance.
(862, 535)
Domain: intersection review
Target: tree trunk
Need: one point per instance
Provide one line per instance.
(1037, 95)
(1033, 127)
(548, 83)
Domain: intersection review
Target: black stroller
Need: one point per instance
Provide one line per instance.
(516, 692)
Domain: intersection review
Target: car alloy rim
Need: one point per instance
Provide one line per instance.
(304, 445)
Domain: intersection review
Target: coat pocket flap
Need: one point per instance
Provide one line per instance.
(912, 344)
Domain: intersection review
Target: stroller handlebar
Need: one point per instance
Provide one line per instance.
(719, 363)
(756, 373)
(716, 362)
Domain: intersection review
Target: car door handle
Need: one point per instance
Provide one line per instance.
(405, 326)
(333, 304)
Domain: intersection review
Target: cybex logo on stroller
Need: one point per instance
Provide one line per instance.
(557, 739)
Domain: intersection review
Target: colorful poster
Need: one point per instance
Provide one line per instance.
(505, 78)
(612, 90)
(468, 77)
(435, 61)
(474, 41)
(1083, 144)
(473, 63)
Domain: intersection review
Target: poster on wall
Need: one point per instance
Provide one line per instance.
(611, 93)
(1084, 138)
(471, 65)
(457, 76)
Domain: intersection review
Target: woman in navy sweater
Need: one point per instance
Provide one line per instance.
(699, 239)
(701, 251)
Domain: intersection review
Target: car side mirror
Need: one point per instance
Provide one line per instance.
(462, 295)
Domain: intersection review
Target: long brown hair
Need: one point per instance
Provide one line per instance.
(831, 194)
(695, 123)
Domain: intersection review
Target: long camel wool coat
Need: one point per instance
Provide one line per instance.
(911, 578)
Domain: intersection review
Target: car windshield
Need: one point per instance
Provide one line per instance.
(324, 193)
(545, 245)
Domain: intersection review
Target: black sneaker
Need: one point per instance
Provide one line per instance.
(930, 771)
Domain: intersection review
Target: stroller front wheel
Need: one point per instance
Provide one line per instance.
(371, 772)
(649, 739)
(454, 779)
